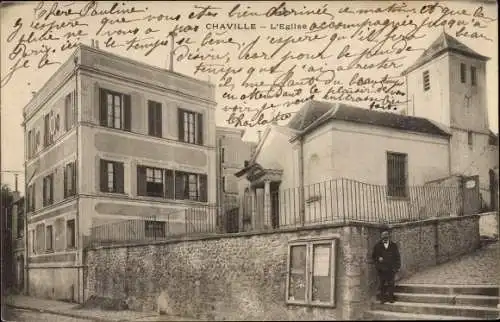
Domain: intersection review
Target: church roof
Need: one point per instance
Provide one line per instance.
(444, 43)
(348, 113)
(310, 112)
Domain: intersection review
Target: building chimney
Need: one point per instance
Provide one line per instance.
(15, 182)
(92, 43)
(97, 44)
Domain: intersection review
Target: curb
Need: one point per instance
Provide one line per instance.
(73, 315)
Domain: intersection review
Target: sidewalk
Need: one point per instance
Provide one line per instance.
(72, 310)
(478, 268)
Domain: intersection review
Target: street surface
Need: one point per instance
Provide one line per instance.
(19, 315)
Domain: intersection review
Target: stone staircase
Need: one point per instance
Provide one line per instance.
(439, 302)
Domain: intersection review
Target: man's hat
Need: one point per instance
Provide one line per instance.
(385, 234)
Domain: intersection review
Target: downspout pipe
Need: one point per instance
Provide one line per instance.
(301, 181)
(25, 214)
(77, 183)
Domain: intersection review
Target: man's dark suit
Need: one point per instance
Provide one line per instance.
(387, 268)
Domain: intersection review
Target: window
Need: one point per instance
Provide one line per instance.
(48, 190)
(222, 155)
(20, 223)
(154, 117)
(190, 127)
(114, 110)
(112, 176)
(396, 175)
(46, 131)
(48, 236)
(33, 241)
(223, 184)
(473, 76)
(31, 144)
(69, 180)
(70, 233)
(154, 229)
(311, 273)
(469, 138)
(427, 80)
(30, 198)
(155, 182)
(69, 110)
(190, 186)
(463, 73)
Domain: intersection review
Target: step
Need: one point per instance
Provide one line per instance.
(387, 315)
(460, 299)
(450, 289)
(439, 309)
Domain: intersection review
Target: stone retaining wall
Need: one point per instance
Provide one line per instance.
(243, 276)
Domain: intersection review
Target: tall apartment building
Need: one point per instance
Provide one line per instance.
(110, 139)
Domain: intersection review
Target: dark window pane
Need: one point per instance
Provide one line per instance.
(70, 233)
(297, 284)
(463, 72)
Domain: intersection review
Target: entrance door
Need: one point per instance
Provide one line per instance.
(274, 189)
(471, 195)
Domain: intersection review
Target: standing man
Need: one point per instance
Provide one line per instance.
(387, 262)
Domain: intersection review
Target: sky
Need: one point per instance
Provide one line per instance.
(230, 43)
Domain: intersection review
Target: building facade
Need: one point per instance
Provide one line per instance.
(232, 152)
(334, 161)
(109, 139)
(18, 242)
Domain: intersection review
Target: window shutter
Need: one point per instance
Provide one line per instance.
(75, 183)
(119, 176)
(151, 116)
(203, 188)
(200, 129)
(127, 113)
(103, 108)
(169, 184)
(103, 176)
(51, 188)
(179, 185)
(158, 119)
(44, 193)
(66, 114)
(180, 123)
(33, 197)
(66, 181)
(74, 111)
(141, 181)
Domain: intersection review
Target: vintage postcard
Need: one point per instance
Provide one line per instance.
(253, 160)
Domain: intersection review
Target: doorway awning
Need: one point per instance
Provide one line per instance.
(257, 174)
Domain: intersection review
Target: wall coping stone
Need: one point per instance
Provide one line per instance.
(489, 213)
(349, 223)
